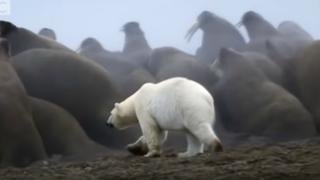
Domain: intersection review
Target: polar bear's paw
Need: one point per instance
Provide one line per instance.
(137, 149)
(187, 154)
(153, 153)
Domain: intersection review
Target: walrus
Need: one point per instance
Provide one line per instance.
(217, 33)
(21, 39)
(168, 62)
(20, 142)
(297, 40)
(91, 47)
(127, 76)
(136, 47)
(60, 131)
(264, 36)
(294, 30)
(302, 74)
(75, 83)
(135, 80)
(270, 69)
(259, 30)
(250, 103)
(48, 33)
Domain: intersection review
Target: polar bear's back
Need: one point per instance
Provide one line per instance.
(183, 85)
(186, 90)
(172, 102)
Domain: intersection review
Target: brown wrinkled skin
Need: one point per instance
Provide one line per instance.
(78, 85)
(20, 142)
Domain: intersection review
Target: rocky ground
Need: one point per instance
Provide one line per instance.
(295, 160)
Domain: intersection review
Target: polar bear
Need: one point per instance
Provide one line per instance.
(177, 104)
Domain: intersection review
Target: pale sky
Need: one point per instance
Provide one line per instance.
(164, 22)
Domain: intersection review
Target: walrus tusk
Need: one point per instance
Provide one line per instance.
(194, 28)
(239, 24)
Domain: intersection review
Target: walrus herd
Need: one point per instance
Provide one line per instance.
(55, 100)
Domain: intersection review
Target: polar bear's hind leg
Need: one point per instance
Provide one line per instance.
(206, 135)
(194, 147)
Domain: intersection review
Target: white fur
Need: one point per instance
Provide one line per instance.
(175, 104)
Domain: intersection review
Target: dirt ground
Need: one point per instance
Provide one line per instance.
(295, 160)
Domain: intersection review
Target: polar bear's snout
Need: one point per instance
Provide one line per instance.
(109, 122)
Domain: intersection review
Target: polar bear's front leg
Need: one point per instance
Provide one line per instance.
(152, 134)
(140, 146)
(194, 147)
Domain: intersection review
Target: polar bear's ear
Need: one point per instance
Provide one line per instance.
(117, 106)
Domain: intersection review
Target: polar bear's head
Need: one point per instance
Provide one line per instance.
(121, 117)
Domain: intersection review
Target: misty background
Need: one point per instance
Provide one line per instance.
(164, 22)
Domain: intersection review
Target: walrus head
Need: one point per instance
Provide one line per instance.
(49, 33)
(204, 18)
(249, 17)
(90, 44)
(6, 28)
(132, 27)
(257, 26)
